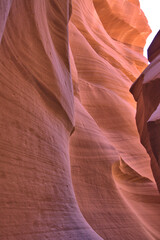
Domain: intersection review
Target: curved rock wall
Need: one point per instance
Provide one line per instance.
(111, 171)
(146, 92)
(72, 165)
(37, 118)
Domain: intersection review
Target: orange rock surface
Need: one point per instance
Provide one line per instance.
(71, 162)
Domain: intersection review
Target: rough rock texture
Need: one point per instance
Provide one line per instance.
(71, 163)
(146, 92)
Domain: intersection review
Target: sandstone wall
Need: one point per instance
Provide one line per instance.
(146, 92)
(71, 163)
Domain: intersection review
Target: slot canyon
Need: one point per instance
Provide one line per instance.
(79, 121)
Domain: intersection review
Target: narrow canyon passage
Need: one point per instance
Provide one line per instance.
(71, 162)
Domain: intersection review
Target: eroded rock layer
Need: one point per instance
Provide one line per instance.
(71, 163)
(146, 92)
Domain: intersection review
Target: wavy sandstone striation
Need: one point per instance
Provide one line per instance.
(72, 165)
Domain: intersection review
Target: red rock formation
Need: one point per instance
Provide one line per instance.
(110, 134)
(146, 93)
(37, 118)
(94, 182)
